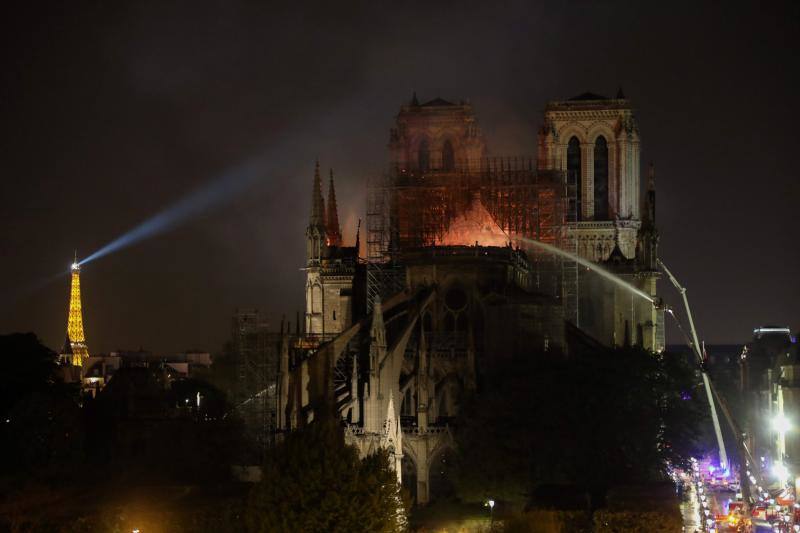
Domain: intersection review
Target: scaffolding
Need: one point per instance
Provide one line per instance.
(408, 210)
(384, 273)
(570, 273)
(257, 354)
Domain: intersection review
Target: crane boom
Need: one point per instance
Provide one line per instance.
(723, 456)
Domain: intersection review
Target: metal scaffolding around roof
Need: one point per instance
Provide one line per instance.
(408, 210)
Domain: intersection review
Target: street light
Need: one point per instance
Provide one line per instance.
(490, 505)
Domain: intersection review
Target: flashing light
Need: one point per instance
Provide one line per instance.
(75, 266)
(758, 331)
(781, 424)
(781, 472)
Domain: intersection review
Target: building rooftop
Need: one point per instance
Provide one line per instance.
(588, 96)
(438, 102)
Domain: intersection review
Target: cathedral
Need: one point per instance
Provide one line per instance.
(393, 341)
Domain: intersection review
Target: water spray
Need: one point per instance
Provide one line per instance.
(591, 266)
(693, 341)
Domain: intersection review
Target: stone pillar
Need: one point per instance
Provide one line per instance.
(634, 171)
(423, 473)
(422, 384)
(613, 180)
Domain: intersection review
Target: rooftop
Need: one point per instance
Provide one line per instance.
(438, 102)
(588, 96)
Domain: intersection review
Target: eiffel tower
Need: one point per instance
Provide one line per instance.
(75, 336)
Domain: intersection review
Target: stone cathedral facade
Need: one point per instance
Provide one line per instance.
(393, 342)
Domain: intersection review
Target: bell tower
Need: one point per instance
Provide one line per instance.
(594, 141)
(436, 137)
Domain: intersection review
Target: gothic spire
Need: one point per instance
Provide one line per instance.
(317, 203)
(358, 238)
(332, 226)
(414, 101)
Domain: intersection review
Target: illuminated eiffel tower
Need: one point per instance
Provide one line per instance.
(75, 336)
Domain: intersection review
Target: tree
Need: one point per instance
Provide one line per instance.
(146, 427)
(40, 421)
(313, 482)
(590, 421)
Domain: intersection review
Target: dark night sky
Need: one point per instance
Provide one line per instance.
(110, 113)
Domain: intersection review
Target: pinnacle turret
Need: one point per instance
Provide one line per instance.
(317, 218)
(358, 238)
(650, 196)
(333, 232)
(315, 232)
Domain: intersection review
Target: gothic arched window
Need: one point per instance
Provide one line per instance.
(424, 156)
(601, 179)
(448, 156)
(574, 172)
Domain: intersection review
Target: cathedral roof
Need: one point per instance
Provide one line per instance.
(438, 102)
(588, 96)
(342, 252)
